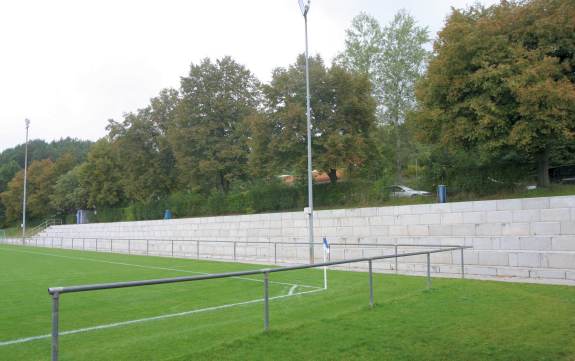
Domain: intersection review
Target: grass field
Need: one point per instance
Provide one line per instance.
(455, 320)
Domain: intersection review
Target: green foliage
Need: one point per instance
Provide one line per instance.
(501, 85)
(208, 135)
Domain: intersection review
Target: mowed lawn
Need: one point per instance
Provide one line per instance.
(455, 320)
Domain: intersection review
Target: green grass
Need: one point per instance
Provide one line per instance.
(455, 320)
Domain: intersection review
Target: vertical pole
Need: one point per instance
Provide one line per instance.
(370, 284)
(324, 269)
(396, 258)
(462, 265)
(83, 244)
(172, 248)
(234, 250)
(147, 247)
(275, 253)
(266, 301)
(429, 270)
(25, 183)
(55, 324)
(111, 246)
(198, 249)
(129, 246)
(309, 166)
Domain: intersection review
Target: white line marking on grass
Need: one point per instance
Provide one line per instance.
(155, 267)
(154, 318)
(292, 290)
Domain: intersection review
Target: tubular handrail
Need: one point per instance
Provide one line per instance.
(103, 286)
(55, 292)
(254, 242)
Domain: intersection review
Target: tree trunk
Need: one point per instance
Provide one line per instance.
(397, 152)
(332, 176)
(543, 168)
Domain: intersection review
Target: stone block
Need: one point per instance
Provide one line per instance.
(563, 243)
(488, 229)
(451, 218)
(508, 204)
(382, 220)
(481, 270)
(555, 214)
(559, 260)
(430, 218)
(562, 202)
(516, 229)
(512, 272)
(385, 211)
(459, 207)
(483, 206)
(482, 243)
(418, 230)
(499, 217)
(407, 219)
(570, 275)
(487, 258)
(379, 231)
(532, 260)
(463, 229)
(546, 228)
(568, 228)
(368, 212)
(474, 217)
(440, 230)
(549, 274)
(535, 243)
(398, 231)
(535, 203)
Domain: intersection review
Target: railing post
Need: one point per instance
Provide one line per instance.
(370, 284)
(129, 246)
(462, 265)
(198, 249)
(111, 246)
(83, 244)
(429, 270)
(275, 253)
(234, 250)
(266, 301)
(55, 324)
(396, 258)
(147, 247)
(172, 248)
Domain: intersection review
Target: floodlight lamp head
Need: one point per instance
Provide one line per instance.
(304, 7)
(27, 121)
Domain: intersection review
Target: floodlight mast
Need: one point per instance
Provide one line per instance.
(304, 10)
(27, 121)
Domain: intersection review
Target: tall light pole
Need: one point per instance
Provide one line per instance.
(304, 10)
(27, 121)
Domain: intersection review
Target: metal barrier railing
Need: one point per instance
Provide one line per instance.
(95, 244)
(55, 292)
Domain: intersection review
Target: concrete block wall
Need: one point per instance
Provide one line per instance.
(525, 238)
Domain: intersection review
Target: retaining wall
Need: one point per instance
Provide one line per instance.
(532, 238)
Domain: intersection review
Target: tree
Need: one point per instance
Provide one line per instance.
(343, 112)
(363, 46)
(68, 195)
(101, 176)
(501, 83)
(394, 58)
(209, 135)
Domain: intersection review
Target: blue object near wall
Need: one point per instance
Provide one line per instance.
(168, 214)
(442, 193)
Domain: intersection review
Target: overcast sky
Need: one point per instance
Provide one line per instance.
(69, 66)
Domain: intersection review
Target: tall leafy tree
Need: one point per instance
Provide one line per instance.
(208, 135)
(343, 112)
(394, 58)
(501, 83)
(101, 175)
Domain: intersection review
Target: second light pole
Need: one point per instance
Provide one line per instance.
(304, 10)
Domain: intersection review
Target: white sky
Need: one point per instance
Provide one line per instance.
(69, 66)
